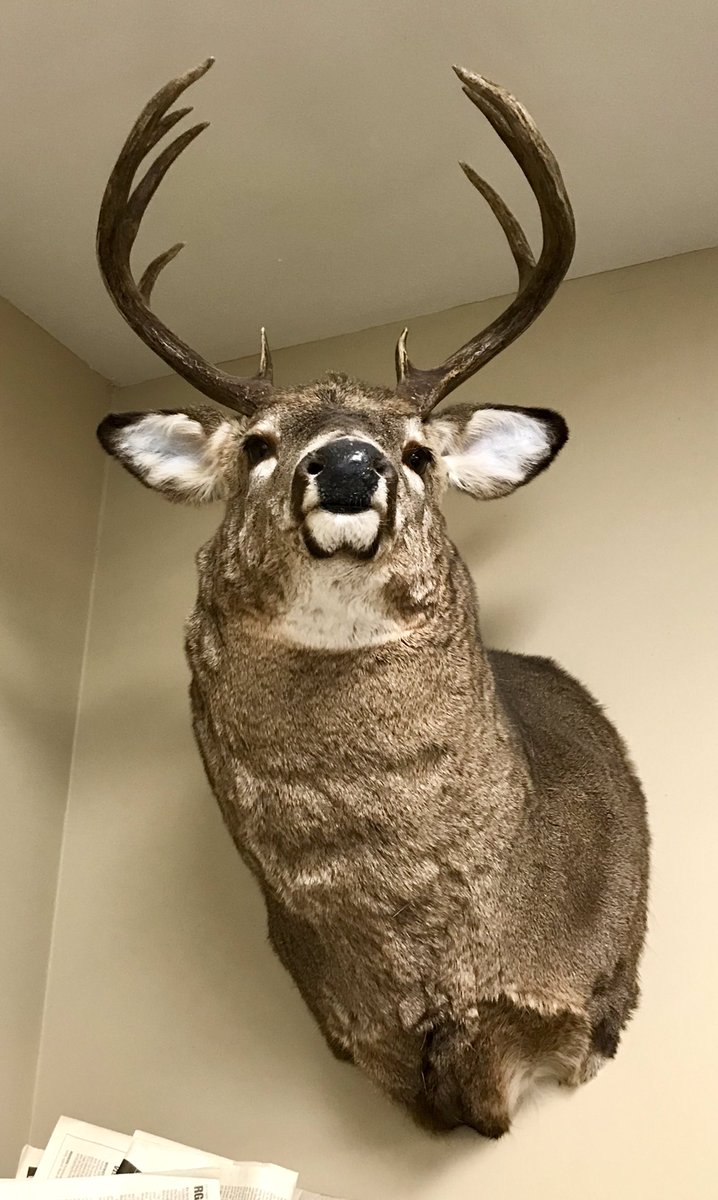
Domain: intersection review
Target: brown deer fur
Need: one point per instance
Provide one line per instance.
(451, 842)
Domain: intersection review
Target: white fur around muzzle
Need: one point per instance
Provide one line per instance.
(336, 531)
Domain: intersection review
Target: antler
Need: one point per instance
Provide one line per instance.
(537, 281)
(121, 212)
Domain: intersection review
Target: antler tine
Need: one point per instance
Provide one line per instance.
(123, 206)
(537, 280)
(515, 236)
(266, 368)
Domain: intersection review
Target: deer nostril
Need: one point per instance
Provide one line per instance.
(314, 467)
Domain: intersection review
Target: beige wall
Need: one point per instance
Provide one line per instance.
(166, 1008)
(50, 488)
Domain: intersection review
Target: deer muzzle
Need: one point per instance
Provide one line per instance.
(346, 473)
(343, 492)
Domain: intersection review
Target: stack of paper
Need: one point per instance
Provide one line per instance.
(87, 1162)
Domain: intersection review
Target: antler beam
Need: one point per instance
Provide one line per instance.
(123, 206)
(537, 280)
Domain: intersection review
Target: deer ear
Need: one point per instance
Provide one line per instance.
(186, 454)
(492, 450)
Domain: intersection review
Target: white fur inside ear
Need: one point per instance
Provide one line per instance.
(174, 451)
(496, 451)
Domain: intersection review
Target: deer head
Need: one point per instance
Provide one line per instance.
(334, 469)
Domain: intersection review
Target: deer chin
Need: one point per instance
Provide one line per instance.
(328, 533)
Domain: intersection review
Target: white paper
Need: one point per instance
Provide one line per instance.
(247, 1180)
(300, 1194)
(257, 1181)
(148, 1152)
(78, 1149)
(30, 1157)
(237, 1180)
(111, 1187)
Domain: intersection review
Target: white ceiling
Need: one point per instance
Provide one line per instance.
(325, 197)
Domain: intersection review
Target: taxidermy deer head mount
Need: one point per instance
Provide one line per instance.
(450, 841)
(335, 467)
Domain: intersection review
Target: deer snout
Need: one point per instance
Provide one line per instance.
(346, 474)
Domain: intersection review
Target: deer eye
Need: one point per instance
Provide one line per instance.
(257, 448)
(418, 458)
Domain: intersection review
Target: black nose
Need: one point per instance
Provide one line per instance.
(346, 473)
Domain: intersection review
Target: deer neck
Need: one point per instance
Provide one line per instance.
(340, 603)
(341, 621)
(394, 742)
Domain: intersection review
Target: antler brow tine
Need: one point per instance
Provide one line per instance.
(537, 280)
(124, 204)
